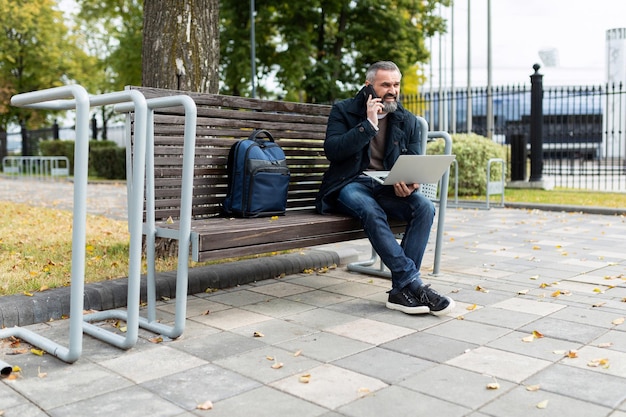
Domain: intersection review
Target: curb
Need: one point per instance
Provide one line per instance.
(20, 310)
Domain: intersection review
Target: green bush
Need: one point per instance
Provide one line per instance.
(106, 159)
(472, 155)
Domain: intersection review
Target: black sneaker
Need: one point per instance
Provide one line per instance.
(438, 304)
(406, 302)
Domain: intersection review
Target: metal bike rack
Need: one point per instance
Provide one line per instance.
(59, 98)
(149, 229)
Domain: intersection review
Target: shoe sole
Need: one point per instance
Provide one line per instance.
(446, 310)
(408, 310)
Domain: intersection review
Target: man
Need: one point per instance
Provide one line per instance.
(369, 132)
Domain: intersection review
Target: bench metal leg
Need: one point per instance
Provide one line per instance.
(366, 267)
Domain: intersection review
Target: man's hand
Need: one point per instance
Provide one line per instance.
(374, 106)
(404, 190)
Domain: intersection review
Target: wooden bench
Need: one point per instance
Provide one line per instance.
(221, 120)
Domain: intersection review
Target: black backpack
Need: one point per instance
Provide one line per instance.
(258, 177)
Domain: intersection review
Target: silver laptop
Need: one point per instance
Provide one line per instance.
(414, 169)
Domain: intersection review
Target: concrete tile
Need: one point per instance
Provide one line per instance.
(191, 387)
(467, 331)
(196, 306)
(217, 346)
(370, 331)
(386, 365)
(259, 364)
(398, 401)
(69, 384)
(459, 386)
(524, 305)
(265, 402)
(545, 348)
(522, 403)
(354, 289)
(583, 384)
(319, 319)
(314, 281)
(238, 297)
(500, 364)
(319, 298)
(500, 317)
(150, 364)
(325, 347)
(429, 346)
(593, 358)
(564, 330)
(330, 386)
(615, 337)
(590, 316)
(278, 307)
(280, 289)
(132, 402)
(231, 318)
(274, 331)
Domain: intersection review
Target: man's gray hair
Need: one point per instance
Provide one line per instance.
(370, 75)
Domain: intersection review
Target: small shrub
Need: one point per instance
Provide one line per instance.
(472, 155)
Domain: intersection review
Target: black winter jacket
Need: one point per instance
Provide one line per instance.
(348, 135)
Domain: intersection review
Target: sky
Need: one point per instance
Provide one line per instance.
(575, 30)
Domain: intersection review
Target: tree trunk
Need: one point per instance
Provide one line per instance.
(181, 48)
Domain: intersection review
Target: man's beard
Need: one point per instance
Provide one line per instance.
(389, 106)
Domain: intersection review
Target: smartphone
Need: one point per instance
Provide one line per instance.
(369, 90)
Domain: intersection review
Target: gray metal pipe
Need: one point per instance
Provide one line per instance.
(5, 369)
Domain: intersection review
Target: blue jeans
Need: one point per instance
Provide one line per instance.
(373, 203)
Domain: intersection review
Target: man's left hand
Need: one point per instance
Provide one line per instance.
(404, 190)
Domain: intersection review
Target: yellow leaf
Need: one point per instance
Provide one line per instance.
(532, 388)
(543, 404)
(543, 285)
(305, 378)
(481, 289)
(460, 318)
(28, 294)
(157, 339)
(277, 365)
(556, 293)
(37, 352)
(598, 290)
(572, 354)
(472, 307)
(44, 288)
(17, 368)
(169, 220)
(269, 358)
(258, 334)
(534, 277)
(618, 321)
(207, 405)
(537, 334)
(493, 385)
(598, 362)
(274, 218)
(536, 247)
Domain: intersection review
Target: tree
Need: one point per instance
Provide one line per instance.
(181, 45)
(36, 52)
(111, 32)
(318, 50)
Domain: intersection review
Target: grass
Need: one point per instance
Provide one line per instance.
(36, 243)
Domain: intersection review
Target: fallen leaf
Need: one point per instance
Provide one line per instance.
(598, 362)
(532, 388)
(156, 339)
(537, 334)
(37, 352)
(28, 294)
(599, 304)
(556, 293)
(618, 321)
(543, 404)
(481, 289)
(169, 220)
(572, 354)
(41, 374)
(472, 307)
(460, 318)
(493, 385)
(522, 292)
(207, 405)
(258, 334)
(277, 365)
(534, 277)
(605, 344)
(305, 378)
(528, 339)
(297, 353)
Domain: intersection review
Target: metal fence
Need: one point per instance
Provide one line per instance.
(583, 128)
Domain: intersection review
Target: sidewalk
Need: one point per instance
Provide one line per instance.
(325, 344)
